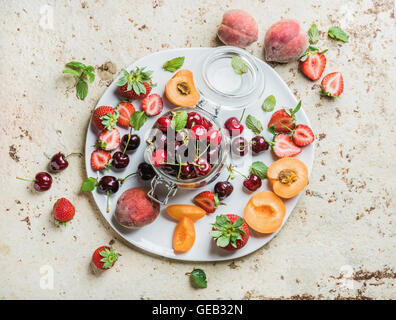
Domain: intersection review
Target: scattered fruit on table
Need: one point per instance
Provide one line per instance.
(264, 212)
(100, 159)
(288, 176)
(313, 63)
(239, 146)
(238, 28)
(136, 84)
(152, 105)
(230, 232)
(59, 161)
(104, 257)
(184, 235)
(120, 160)
(174, 64)
(42, 181)
(82, 74)
(252, 182)
(63, 210)
(105, 117)
(178, 211)
(198, 278)
(130, 142)
(208, 201)
(223, 189)
(135, 209)
(259, 144)
(126, 109)
(109, 140)
(284, 120)
(107, 185)
(181, 91)
(285, 41)
(302, 135)
(332, 85)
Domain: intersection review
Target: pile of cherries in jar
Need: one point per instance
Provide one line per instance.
(188, 153)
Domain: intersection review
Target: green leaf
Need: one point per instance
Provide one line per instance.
(137, 120)
(81, 89)
(238, 223)
(223, 241)
(198, 277)
(259, 168)
(222, 220)
(297, 108)
(89, 184)
(73, 72)
(174, 64)
(215, 233)
(269, 104)
(90, 75)
(121, 81)
(337, 33)
(76, 65)
(254, 124)
(89, 69)
(313, 34)
(179, 121)
(238, 65)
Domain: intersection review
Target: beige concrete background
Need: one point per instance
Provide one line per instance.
(339, 241)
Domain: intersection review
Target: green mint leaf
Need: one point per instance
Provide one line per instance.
(81, 89)
(259, 168)
(313, 34)
(90, 75)
(198, 278)
(238, 65)
(89, 69)
(137, 120)
(174, 64)
(76, 65)
(254, 124)
(269, 104)
(337, 33)
(223, 241)
(89, 184)
(179, 121)
(72, 72)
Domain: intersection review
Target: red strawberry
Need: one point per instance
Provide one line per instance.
(230, 232)
(152, 104)
(283, 146)
(302, 135)
(109, 140)
(125, 109)
(283, 121)
(314, 65)
(100, 159)
(104, 257)
(332, 84)
(136, 84)
(104, 117)
(208, 201)
(63, 210)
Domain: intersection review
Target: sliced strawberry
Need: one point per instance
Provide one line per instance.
(283, 121)
(303, 135)
(313, 66)
(332, 84)
(284, 147)
(125, 109)
(100, 159)
(207, 200)
(109, 140)
(152, 104)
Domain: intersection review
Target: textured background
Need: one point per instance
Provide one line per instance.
(339, 241)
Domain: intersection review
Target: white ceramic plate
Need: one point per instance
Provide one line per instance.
(157, 237)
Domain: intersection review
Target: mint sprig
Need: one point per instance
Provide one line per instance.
(313, 34)
(179, 121)
(269, 104)
(89, 184)
(259, 168)
(254, 124)
(82, 73)
(198, 278)
(337, 33)
(137, 120)
(238, 65)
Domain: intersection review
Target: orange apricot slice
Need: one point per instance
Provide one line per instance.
(181, 91)
(288, 176)
(178, 211)
(184, 235)
(264, 212)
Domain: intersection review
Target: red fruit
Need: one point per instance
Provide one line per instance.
(230, 232)
(207, 200)
(100, 159)
(202, 167)
(284, 147)
(109, 140)
(234, 126)
(63, 210)
(194, 118)
(198, 132)
(281, 117)
(152, 105)
(314, 65)
(159, 158)
(104, 117)
(253, 182)
(136, 84)
(163, 123)
(125, 109)
(303, 135)
(104, 257)
(214, 137)
(332, 84)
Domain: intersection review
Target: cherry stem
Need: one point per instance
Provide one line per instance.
(74, 154)
(107, 204)
(240, 173)
(243, 113)
(29, 180)
(228, 179)
(180, 166)
(129, 139)
(122, 180)
(206, 149)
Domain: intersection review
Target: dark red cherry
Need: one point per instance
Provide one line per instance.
(239, 146)
(193, 119)
(253, 182)
(163, 123)
(207, 124)
(42, 181)
(120, 160)
(214, 137)
(133, 143)
(259, 144)
(233, 126)
(161, 140)
(187, 171)
(59, 162)
(146, 171)
(212, 155)
(108, 184)
(198, 132)
(223, 189)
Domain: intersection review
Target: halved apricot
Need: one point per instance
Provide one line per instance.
(288, 176)
(181, 91)
(184, 235)
(264, 212)
(178, 211)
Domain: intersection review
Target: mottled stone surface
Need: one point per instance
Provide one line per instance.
(339, 241)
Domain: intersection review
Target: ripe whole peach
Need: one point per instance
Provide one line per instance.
(285, 41)
(238, 28)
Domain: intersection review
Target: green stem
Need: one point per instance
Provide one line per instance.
(206, 149)
(122, 180)
(129, 139)
(29, 180)
(74, 154)
(243, 113)
(240, 173)
(180, 166)
(107, 204)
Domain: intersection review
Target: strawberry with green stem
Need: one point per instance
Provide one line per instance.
(82, 73)
(136, 84)
(208, 201)
(230, 232)
(284, 117)
(301, 135)
(104, 257)
(105, 118)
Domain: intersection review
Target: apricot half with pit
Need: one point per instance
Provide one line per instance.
(181, 91)
(288, 176)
